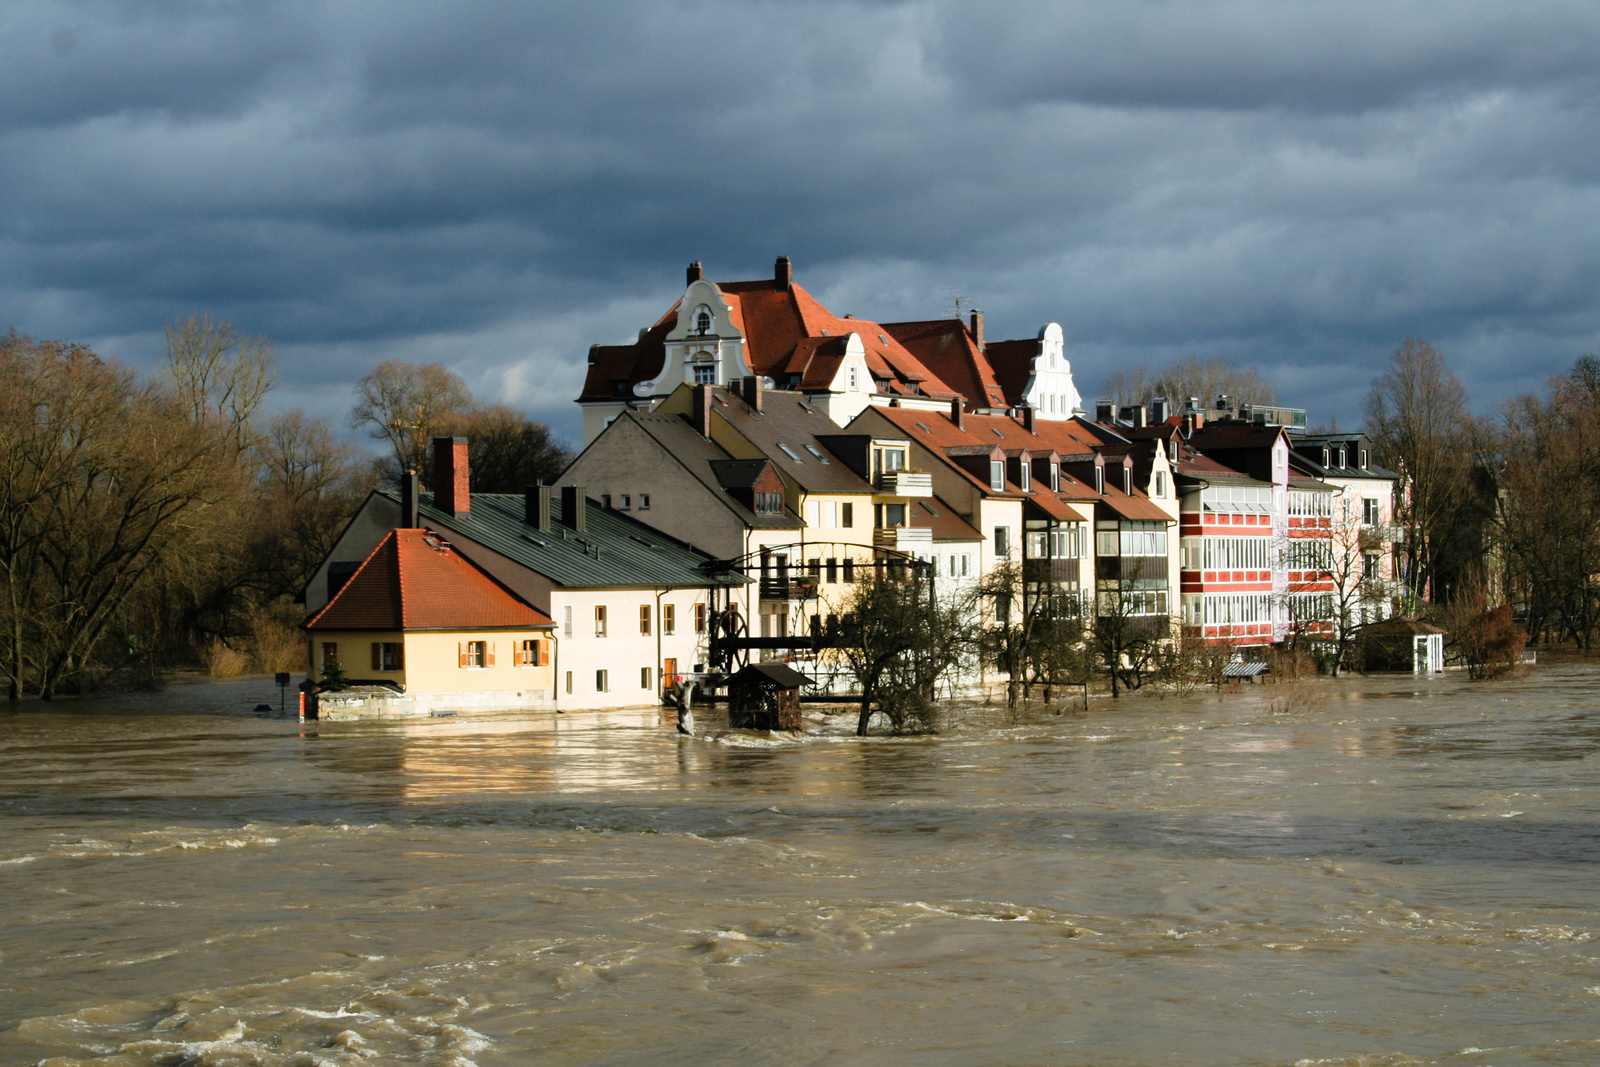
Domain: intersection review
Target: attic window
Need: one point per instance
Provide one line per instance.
(702, 320)
(769, 503)
(929, 508)
(824, 333)
(997, 432)
(816, 452)
(882, 339)
(923, 427)
(790, 452)
(803, 405)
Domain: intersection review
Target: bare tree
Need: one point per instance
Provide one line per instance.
(1203, 379)
(506, 450)
(1548, 504)
(219, 374)
(1418, 420)
(1034, 638)
(405, 405)
(1340, 588)
(899, 640)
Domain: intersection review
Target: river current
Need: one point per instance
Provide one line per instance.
(1405, 874)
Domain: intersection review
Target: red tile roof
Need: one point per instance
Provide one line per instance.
(414, 580)
(787, 332)
(946, 347)
(1012, 364)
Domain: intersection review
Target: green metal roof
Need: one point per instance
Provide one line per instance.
(613, 550)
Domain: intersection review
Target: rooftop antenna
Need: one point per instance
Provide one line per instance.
(957, 306)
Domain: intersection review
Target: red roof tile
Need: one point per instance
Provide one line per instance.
(946, 347)
(414, 580)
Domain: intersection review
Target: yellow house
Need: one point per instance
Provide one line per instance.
(424, 623)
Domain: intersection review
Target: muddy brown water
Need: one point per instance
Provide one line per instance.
(1405, 875)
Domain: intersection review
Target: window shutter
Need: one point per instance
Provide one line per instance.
(377, 655)
(541, 649)
(488, 653)
(400, 656)
(461, 653)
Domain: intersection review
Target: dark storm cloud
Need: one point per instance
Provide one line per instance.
(1298, 185)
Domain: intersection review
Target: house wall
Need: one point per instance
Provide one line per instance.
(432, 675)
(623, 651)
(626, 459)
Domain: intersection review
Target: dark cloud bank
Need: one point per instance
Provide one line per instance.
(497, 186)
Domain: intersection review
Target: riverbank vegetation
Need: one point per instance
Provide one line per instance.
(150, 522)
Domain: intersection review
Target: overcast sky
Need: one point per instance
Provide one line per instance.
(497, 186)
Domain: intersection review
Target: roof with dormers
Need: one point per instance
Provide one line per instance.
(414, 580)
(786, 332)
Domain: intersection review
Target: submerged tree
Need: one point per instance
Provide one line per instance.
(900, 640)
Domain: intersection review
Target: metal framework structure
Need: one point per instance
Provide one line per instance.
(730, 642)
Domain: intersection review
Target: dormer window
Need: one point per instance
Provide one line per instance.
(703, 320)
(997, 475)
(1365, 459)
(1055, 478)
(1325, 456)
(1025, 479)
(1100, 480)
(769, 503)
(1341, 457)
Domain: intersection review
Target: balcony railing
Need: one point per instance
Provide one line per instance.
(906, 483)
(1384, 534)
(903, 538)
(788, 589)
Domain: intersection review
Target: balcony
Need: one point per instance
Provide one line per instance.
(903, 538)
(802, 588)
(905, 483)
(1384, 534)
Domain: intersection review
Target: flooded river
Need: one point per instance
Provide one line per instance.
(1407, 875)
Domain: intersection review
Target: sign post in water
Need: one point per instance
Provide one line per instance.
(282, 678)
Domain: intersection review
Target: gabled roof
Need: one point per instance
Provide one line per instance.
(788, 430)
(613, 551)
(700, 457)
(414, 580)
(789, 337)
(946, 347)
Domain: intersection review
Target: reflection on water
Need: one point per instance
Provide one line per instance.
(1405, 876)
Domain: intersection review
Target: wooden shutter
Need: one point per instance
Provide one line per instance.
(541, 654)
(488, 653)
(461, 653)
(400, 656)
(377, 655)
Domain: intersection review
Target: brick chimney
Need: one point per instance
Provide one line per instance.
(783, 273)
(977, 327)
(450, 485)
(1027, 417)
(1193, 421)
(696, 272)
(700, 410)
(752, 391)
(956, 412)
(536, 507)
(408, 501)
(574, 508)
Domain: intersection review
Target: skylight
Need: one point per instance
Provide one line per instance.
(883, 339)
(923, 427)
(790, 452)
(815, 451)
(997, 432)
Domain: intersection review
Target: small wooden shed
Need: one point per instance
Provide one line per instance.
(765, 696)
(1402, 645)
